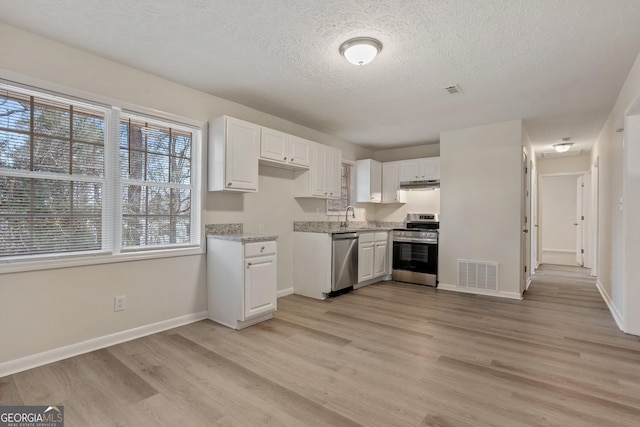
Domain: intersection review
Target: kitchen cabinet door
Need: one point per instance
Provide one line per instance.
(391, 183)
(299, 151)
(319, 171)
(369, 181)
(365, 261)
(409, 170)
(233, 155)
(260, 291)
(283, 150)
(274, 145)
(380, 259)
(334, 170)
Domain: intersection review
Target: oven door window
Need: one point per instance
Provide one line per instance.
(417, 257)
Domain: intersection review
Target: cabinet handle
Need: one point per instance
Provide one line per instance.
(262, 249)
(229, 185)
(249, 264)
(285, 158)
(291, 159)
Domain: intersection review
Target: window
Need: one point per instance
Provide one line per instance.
(61, 194)
(155, 166)
(347, 188)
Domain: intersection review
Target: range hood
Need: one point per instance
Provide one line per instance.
(424, 184)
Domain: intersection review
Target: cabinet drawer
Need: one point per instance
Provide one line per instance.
(366, 237)
(382, 236)
(259, 248)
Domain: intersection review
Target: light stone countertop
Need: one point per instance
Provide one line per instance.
(234, 232)
(333, 227)
(244, 237)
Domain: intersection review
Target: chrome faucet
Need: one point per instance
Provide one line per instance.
(346, 215)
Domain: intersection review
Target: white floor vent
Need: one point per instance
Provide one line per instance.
(478, 275)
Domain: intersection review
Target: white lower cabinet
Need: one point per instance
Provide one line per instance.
(373, 255)
(381, 255)
(366, 254)
(241, 281)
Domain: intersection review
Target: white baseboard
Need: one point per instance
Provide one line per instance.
(612, 308)
(559, 257)
(500, 294)
(285, 292)
(60, 353)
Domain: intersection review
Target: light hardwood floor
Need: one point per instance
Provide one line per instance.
(390, 354)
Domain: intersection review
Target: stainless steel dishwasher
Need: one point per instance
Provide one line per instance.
(344, 264)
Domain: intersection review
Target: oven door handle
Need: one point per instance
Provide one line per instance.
(409, 240)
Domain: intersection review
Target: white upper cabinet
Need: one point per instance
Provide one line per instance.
(427, 169)
(368, 181)
(284, 150)
(300, 152)
(234, 149)
(391, 184)
(324, 177)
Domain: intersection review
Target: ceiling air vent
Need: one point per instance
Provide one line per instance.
(453, 89)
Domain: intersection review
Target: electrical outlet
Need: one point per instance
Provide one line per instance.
(119, 302)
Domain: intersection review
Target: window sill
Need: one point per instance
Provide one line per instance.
(52, 264)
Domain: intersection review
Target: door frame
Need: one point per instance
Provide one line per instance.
(525, 223)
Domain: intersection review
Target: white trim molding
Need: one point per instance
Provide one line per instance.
(285, 292)
(60, 353)
(612, 307)
(500, 294)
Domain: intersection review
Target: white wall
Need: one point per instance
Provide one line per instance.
(481, 200)
(47, 309)
(609, 154)
(558, 205)
(415, 152)
(418, 201)
(550, 165)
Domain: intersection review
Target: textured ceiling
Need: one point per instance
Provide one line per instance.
(559, 65)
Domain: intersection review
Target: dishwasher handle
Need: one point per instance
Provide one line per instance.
(344, 236)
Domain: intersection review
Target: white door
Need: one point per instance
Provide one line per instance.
(260, 287)
(534, 229)
(579, 220)
(586, 219)
(593, 234)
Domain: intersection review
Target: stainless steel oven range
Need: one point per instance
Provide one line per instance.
(415, 250)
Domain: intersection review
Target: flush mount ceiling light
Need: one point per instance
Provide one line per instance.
(563, 146)
(360, 50)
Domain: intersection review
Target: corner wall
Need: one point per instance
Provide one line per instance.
(608, 155)
(43, 311)
(481, 201)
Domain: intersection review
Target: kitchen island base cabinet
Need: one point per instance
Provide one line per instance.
(241, 282)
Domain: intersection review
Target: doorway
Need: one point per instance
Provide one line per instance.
(562, 214)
